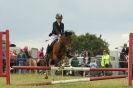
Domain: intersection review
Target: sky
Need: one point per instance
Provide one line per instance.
(30, 21)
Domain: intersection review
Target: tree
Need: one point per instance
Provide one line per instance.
(89, 42)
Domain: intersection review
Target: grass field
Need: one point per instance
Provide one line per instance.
(19, 81)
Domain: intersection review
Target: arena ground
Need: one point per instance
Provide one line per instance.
(26, 81)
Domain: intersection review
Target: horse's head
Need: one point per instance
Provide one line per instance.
(66, 40)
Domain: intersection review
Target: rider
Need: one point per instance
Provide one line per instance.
(58, 30)
(58, 26)
(125, 50)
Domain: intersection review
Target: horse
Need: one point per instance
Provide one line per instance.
(59, 50)
(123, 61)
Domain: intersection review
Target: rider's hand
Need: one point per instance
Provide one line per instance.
(59, 37)
(50, 34)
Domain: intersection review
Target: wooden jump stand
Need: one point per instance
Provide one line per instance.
(4, 54)
(130, 60)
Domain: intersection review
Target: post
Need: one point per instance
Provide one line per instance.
(130, 59)
(4, 54)
(7, 58)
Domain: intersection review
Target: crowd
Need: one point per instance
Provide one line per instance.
(20, 57)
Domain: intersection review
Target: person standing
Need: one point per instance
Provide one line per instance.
(105, 62)
(86, 61)
(40, 55)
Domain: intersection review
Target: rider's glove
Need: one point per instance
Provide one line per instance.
(50, 34)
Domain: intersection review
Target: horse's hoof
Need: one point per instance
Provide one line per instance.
(46, 77)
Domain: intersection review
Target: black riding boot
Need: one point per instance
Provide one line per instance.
(48, 49)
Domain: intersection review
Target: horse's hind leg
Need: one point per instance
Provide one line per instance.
(52, 62)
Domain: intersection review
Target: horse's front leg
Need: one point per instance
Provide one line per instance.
(54, 62)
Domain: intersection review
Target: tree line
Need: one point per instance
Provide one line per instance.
(94, 44)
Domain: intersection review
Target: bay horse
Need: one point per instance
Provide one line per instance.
(59, 50)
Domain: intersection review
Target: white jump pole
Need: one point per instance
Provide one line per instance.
(87, 79)
(70, 81)
(78, 80)
(89, 69)
(70, 68)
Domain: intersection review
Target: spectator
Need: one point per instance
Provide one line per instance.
(21, 59)
(105, 62)
(40, 54)
(26, 51)
(86, 61)
(13, 60)
(12, 57)
(93, 64)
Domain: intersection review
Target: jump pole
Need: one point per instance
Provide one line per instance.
(69, 68)
(87, 79)
(77, 80)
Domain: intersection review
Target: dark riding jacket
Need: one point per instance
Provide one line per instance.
(125, 50)
(57, 29)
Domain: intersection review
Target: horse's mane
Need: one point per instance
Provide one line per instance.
(68, 33)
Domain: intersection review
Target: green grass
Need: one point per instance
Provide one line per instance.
(19, 81)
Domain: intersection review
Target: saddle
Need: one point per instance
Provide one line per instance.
(50, 47)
